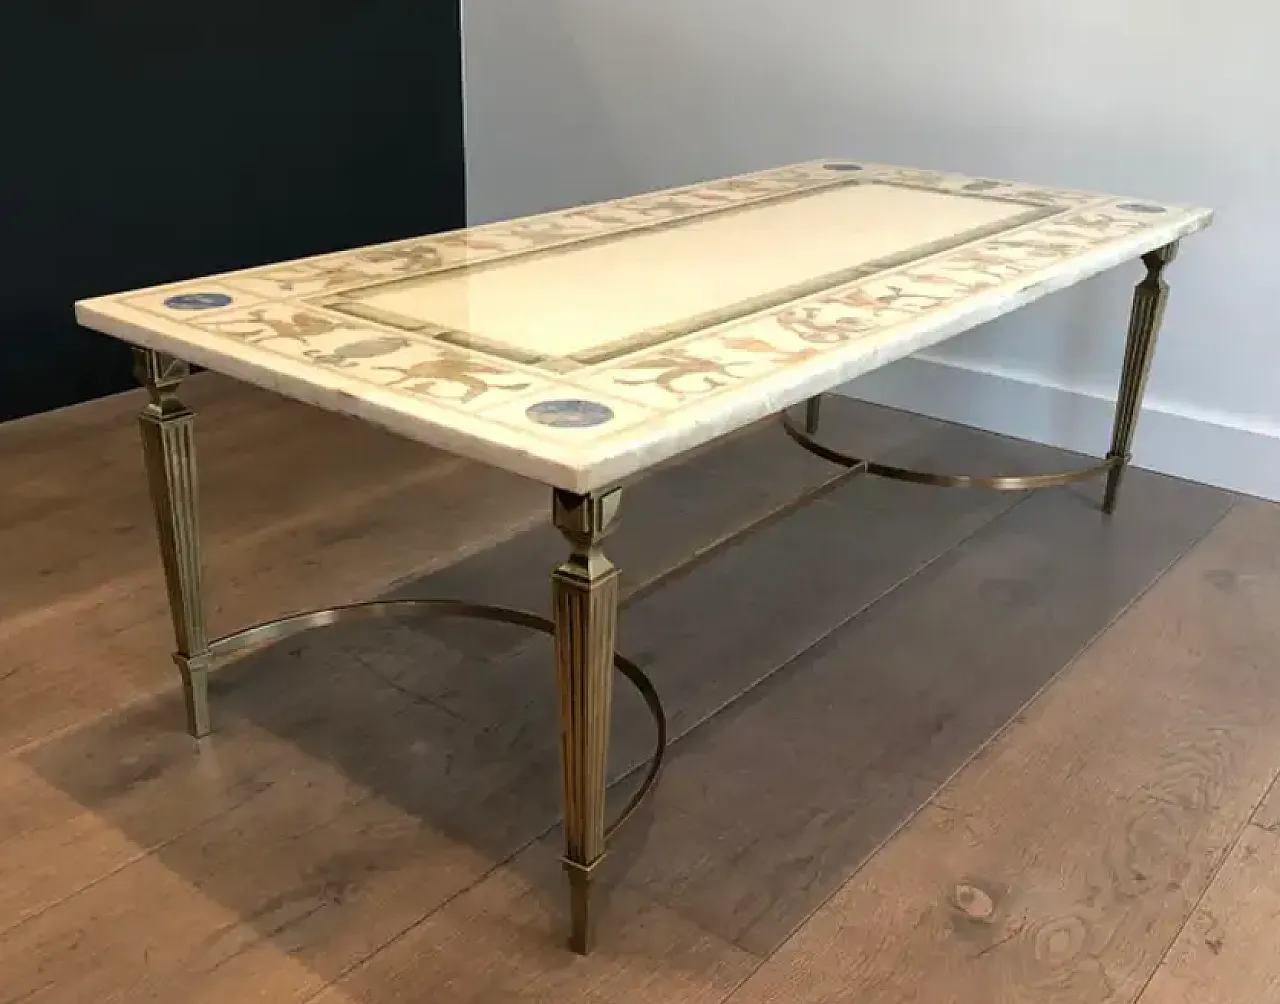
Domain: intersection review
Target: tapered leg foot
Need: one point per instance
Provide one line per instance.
(195, 692)
(812, 415)
(582, 919)
(585, 599)
(1149, 301)
(1112, 491)
(168, 446)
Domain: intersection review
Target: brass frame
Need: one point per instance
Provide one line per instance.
(1009, 483)
(168, 447)
(1149, 302)
(585, 587)
(585, 592)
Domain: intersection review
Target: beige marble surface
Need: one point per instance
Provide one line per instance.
(581, 346)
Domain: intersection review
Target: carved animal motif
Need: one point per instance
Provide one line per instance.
(329, 277)
(808, 324)
(431, 377)
(407, 258)
(758, 346)
(678, 364)
(298, 326)
(345, 356)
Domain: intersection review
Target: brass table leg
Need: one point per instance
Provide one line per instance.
(585, 598)
(168, 446)
(1144, 325)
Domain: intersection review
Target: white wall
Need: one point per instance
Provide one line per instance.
(576, 100)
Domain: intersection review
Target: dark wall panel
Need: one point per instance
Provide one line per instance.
(152, 140)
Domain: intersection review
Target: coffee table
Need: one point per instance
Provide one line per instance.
(582, 347)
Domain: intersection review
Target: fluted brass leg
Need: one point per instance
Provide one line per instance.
(812, 414)
(1144, 326)
(168, 447)
(585, 595)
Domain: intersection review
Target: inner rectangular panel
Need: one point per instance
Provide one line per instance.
(583, 298)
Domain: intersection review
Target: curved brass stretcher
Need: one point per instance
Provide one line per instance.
(806, 438)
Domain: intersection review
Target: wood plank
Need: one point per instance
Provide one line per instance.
(154, 931)
(1061, 863)
(133, 783)
(504, 941)
(308, 872)
(1226, 954)
(410, 764)
(1268, 814)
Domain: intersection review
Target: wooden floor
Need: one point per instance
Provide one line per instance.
(934, 746)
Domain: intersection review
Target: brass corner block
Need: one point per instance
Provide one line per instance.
(585, 519)
(1160, 257)
(160, 374)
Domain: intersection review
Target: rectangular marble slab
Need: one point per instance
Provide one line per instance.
(582, 346)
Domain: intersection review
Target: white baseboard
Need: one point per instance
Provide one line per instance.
(1213, 449)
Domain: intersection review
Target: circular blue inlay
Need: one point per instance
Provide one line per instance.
(843, 167)
(1141, 207)
(197, 301)
(569, 414)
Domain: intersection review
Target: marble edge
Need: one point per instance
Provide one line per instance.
(470, 436)
(610, 461)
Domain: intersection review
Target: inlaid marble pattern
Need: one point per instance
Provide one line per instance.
(401, 361)
(583, 345)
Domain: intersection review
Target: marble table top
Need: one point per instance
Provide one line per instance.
(581, 346)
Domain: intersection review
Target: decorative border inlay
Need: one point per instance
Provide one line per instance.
(309, 311)
(350, 300)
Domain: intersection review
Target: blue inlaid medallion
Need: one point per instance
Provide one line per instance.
(569, 413)
(843, 167)
(1141, 207)
(197, 301)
